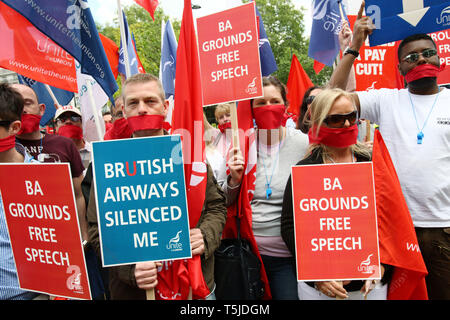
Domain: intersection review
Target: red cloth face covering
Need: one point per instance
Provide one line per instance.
(146, 122)
(334, 137)
(424, 71)
(119, 130)
(270, 116)
(30, 123)
(7, 143)
(71, 131)
(224, 126)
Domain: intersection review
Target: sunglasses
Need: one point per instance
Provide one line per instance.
(338, 120)
(310, 99)
(5, 123)
(414, 57)
(72, 118)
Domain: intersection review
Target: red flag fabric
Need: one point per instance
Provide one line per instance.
(29, 52)
(112, 53)
(188, 121)
(398, 241)
(318, 66)
(297, 84)
(149, 5)
(242, 207)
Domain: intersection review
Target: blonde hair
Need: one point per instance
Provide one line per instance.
(143, 78)
(319, 110)
(222, 109)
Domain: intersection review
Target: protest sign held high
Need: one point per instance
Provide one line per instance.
(229, 55)
(335, 222)
(43, 227)
(141, 200)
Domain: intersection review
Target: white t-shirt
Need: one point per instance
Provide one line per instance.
(423, 169)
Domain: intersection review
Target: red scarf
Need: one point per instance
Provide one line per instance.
(424, 71)
(224, 126)
(270, 116)
(71, 131)
(30, 123)
(119, 130)
(7, 143)
(334, 137)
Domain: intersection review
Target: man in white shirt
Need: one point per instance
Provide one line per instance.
(414, 123)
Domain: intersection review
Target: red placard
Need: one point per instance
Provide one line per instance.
(229, 55)
(29, 52)
(335, 222)
(42, 221)
(442, 39)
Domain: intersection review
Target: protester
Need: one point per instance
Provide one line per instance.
(50, 147)
(278, 149)
(145, 108)
(107, 119)
(308, 98)
(213, 155)
(11, 107)
(412, 123)
(119, 129)
(223, 138)
(333, 139)
(69, 124)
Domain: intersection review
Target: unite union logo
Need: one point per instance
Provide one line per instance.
(174, 243)
(444, 18)
(251, 88)
(365, 267)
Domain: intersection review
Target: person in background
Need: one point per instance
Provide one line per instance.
(222, 141)
(69, 124)
(308, 98)
(278, 148)
(213, 155)
(333, 139)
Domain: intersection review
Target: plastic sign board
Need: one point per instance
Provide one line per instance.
(229, 55)
(442, 39)
(335, 222)
(141, 200)
(42, 221)
(398, 19)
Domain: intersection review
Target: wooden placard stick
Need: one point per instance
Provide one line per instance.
(150, 294)
(367, 130)
(234, 125)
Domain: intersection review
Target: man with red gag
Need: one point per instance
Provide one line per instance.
(145, 108)
(415, 125)
(69, 124)
(50, 147)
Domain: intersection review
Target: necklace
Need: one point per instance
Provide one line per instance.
(420, 135)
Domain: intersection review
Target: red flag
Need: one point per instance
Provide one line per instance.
(318, 66)
(398, 241)
(297, 84)
(188, 121)
(112, 53)
(27, 51)
(149, 5)
(242, 206)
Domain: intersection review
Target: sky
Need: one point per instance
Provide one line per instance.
(106, 10)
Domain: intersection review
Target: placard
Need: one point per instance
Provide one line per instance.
(43, 227)
(335, 222)
(141, 200)
(229, 55)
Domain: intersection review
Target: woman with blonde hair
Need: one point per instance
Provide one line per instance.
(333, 139)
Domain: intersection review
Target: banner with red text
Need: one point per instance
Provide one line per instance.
(335, 222)
(29, 52)
(442, 39)
(229, 55)
(43, 227)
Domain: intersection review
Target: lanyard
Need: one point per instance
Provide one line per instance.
(420, 135)
(269, 180)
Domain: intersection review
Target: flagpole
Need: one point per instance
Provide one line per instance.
(162, 39)
(94, 110)
(124, 40)
(50, 91)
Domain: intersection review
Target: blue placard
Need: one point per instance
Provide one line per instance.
(141, 200)
(398, 19)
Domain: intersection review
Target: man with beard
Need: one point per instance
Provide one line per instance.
(414, 123)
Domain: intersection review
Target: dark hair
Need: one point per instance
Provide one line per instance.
(273, 81)
(303, 108)
(414, 37)
(11, 103)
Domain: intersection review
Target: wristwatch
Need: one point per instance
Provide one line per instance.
(350, 51)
